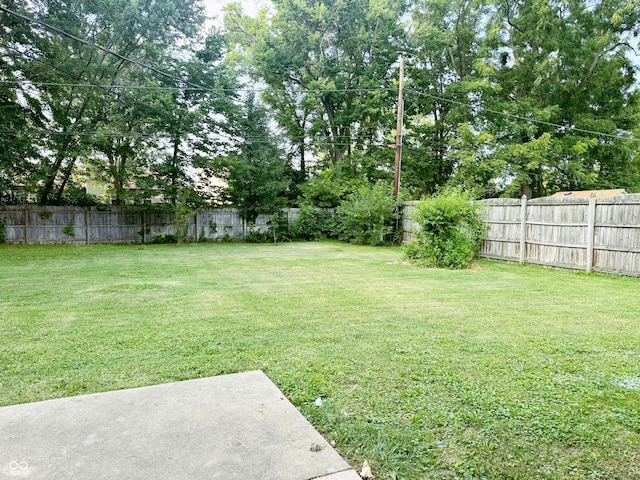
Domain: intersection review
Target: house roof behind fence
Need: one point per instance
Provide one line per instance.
(587, 193)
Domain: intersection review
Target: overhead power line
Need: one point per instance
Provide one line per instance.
(84, 133)
(572, 128)
(213, 90)
(166, 74)
(81, 133)
(207, 89)
(66, 73)
(101, 86)
(83, 41)
(267, 90)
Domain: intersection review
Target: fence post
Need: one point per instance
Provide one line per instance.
(523, 229)
(26, 225)
(86, 224)
(195, 220)
(591, 228)
(144, 226)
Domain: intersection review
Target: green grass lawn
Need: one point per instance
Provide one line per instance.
(501, 371)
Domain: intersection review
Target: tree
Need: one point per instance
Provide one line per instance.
(503, 97)
(330, 66)
(561, 95)
(21, 113)
(256, 171)
(193, 120)
(442, 72)
(127, 28)
(115, 159)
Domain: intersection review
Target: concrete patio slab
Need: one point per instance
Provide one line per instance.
(228, 427)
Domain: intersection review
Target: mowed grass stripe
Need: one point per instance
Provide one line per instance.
(501, 371)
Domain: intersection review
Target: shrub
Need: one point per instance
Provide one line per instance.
(313, 223)
(3, 226)
(228, 230)
(367, 216)
(165, 238)
(257, 235)
(277, 231)
(451, 230)
(78, 196)
(279, 227)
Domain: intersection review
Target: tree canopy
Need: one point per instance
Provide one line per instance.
(501, 98)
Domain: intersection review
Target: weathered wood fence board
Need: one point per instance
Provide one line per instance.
(78, 225)
(408, 225)
(578, 233)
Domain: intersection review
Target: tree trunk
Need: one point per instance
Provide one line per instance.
(173, 180)
(303, 166)
(50, 181)
(337, 150)
(65, 179)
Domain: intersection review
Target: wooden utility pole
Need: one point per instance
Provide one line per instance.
(398, 163)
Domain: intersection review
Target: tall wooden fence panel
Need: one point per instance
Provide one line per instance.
(77, 225)
(578, 233)
(616, 242)
(503, 218)
(408, 225)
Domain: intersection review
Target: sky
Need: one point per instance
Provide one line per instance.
(249, 7)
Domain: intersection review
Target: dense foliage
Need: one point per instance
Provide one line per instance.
(255, 172)
(450, 230)
(80, 115)
(501, 98)
(313, 223)
(367, 216)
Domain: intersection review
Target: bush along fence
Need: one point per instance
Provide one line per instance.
(579, 233)
(78, 225)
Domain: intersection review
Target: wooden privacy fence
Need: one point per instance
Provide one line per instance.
(79, 225)
(578, 233)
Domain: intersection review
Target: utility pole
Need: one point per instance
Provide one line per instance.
(398, 163)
